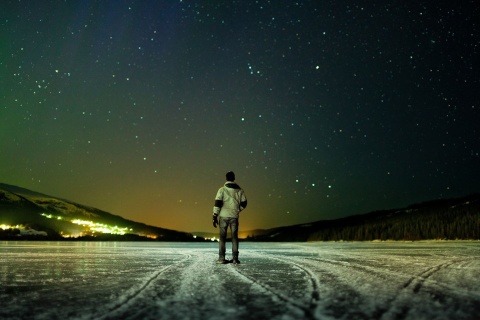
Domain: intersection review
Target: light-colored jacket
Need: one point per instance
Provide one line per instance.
(230, 200)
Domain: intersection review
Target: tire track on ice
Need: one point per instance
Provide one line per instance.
(395, 308)
(308, 308)
(418, 280)
(341, 296)
(403, 293)
(125, 299)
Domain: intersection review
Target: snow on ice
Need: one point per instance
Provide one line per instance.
(321, 280)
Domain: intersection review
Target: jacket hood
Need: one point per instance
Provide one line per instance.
(232, 185)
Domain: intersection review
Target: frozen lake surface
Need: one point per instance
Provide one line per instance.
(356, 280)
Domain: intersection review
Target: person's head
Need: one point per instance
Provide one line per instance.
(230, 176)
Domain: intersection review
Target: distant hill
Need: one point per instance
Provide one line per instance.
(450, 219)
(29, 214)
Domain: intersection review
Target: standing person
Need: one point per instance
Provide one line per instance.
(229, 201)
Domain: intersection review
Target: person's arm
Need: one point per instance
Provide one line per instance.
(217, 206)
(243, 201)
(218, 202)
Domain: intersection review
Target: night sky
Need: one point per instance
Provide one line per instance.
(323, 109)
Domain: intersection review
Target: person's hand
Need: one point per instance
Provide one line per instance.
(215, 220)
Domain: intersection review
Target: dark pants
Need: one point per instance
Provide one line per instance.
(223, 224)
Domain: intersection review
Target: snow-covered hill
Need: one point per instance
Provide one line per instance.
(24, 209)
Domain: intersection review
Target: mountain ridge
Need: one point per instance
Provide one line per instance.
(61, 218)
(455, 218)
(446, 219)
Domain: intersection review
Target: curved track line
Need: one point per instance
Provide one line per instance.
(134, 294)
(420, 278)
(414, 284)
(309, 309)
(315, 294)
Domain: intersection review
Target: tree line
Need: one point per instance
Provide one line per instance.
(448, 219)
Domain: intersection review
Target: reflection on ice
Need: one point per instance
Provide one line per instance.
(95, 280)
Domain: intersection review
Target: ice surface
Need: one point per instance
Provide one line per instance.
(351, 280)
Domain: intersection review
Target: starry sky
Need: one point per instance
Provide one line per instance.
(323, 109)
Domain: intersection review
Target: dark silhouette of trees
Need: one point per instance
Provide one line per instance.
(448, 219)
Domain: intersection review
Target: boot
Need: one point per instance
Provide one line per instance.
(221, 260)
(235, 260)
